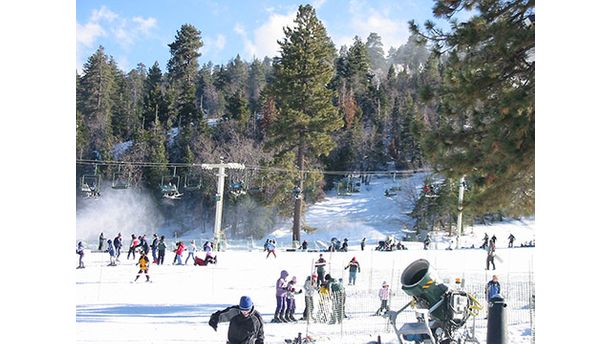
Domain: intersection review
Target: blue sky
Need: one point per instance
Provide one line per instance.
(140, 30)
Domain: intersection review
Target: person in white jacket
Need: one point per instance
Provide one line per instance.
(383, 294)
(310, 288)
(191, 250)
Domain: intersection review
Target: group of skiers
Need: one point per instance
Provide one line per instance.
(157, 248)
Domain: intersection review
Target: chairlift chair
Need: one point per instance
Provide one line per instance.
(90, 185)
(121, 181)
(169, 186)
(192, 181)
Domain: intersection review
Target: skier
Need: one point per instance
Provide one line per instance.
(353, 267)
(144, 245)
(363, 242)
(154, 248)
(338, 299)
(101, 241)
(117, 242)
(161, 246)
(491, 254)
(80, 250)
(192, 249)
(291, 292)
(245, 323)
(485, 241)
(426, 242)
(143, 264)
(304, 245)
(383, 295)
(281, 297)
(133, 244)
(310, 287)
(178, 253)
(111, 252)
(494, 238)
(271, 248)
(320, 265)
(344, 247)
(511, 241)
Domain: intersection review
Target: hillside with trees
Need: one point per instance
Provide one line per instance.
(461, 103)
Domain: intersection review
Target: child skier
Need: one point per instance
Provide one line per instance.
(191, 250)
(111, 252)
(143, 264)
(383, 295)
(291, 292)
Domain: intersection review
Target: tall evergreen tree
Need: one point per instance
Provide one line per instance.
(96, 104)
(155, 107)
(306, 113)
(376, 53)
(183, 71)
(487, 110)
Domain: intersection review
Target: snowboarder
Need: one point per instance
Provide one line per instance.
(310, 287)
(191, 250)
(245, 323)
(320, 265)
(291, 292)
(101, 241)
(338, 299)
(143, 264)
(491, 254)
(511, 241)
(353, 267)
(281, 297)
(162, 250)
(111, 252)
(118, 243)
(80, 250)
(383, 294)
(363, 242)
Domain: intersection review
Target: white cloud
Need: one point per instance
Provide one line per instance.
(215, 44)
(264, 38)
(103, 22)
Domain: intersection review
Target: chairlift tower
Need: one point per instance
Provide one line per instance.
(219, 196)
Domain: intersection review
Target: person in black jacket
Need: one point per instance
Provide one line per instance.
(246, 325)
(117, 242)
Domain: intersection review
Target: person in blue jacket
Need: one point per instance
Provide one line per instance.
(111, 252)
(493, 288)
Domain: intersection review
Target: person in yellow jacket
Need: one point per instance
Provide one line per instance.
(143, 264)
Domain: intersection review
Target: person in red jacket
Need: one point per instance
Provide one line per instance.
(178, 257)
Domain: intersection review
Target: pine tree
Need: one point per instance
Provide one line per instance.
(155, 107)
(306, 113)
(487, 103)
(183, 73)
(96, 104)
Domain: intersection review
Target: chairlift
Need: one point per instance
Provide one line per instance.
(192, 181)
(169, 186)
(237, 188)
(121, 180)
(90, 184)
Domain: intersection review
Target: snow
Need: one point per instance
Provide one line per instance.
(176, 306)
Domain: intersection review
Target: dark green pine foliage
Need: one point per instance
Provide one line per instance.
(95, 104)
(183, 74)
(237, 110)
(307, 116)
(155, 107)
(487, 110)
(155, 153)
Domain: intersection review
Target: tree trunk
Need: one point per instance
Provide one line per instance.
(297, 210)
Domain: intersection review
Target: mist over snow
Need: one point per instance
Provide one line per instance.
(117, 211)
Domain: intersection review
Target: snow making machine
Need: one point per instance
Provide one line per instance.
(441, 312)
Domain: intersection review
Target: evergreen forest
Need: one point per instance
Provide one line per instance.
(457, 102)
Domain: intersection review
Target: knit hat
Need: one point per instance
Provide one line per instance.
(385, 283)
(245, 303)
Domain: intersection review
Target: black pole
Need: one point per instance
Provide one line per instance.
(496, 322)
